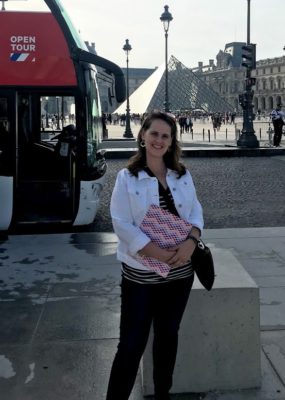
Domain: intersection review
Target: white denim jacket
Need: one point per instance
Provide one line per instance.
(132, 197)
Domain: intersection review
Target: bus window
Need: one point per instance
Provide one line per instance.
(94, 127)
(56, 113)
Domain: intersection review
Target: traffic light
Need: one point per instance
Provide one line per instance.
(249, 56)
(241, 100)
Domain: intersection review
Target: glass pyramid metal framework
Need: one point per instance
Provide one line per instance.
(186, 91)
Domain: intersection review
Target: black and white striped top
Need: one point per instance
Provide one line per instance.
(149, 277)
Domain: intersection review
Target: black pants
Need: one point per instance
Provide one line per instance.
(277, 133)
(163, 304)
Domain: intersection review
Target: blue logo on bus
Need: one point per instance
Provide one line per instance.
(19, 56)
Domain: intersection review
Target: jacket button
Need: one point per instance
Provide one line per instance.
(174, 189)
(179, 205)
(185, 183)
(137, 192)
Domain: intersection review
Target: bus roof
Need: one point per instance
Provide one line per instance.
(33, 51)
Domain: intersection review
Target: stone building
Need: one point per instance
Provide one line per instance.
(270, 83)
(137, 76)
(227, 76)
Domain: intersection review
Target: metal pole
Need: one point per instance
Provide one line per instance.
(166, 104)
(166, 17)
(128, 132)
(248, 138)
(248, 22)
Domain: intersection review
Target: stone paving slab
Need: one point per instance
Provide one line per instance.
(73, 370)
(59, 313)
(79, 318)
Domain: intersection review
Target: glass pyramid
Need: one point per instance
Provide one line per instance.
(186, 91)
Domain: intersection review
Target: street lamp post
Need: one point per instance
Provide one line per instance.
(166, 17)
(248, 138)
(128, 132)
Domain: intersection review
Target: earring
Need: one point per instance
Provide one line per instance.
(142, 143)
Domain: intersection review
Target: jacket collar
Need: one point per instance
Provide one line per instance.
(144, 175)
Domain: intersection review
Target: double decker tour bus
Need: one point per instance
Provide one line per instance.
(51, 170)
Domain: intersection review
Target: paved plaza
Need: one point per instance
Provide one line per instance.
(203, 132)
(60, 308)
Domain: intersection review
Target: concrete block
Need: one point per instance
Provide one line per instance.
(219, 343)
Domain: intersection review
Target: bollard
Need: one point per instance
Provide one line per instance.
(209, 135)
(270, 133)
(192, 133)
(226, 133)
(260, 133)
(215, 131)
(105, 133)
(203, 134)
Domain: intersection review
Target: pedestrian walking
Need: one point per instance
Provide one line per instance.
(277, 117)
(154, 176)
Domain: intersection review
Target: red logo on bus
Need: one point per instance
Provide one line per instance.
(33, 51)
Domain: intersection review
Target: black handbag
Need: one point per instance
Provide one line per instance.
(203, 265)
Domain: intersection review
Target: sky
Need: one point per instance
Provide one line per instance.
(199, 29)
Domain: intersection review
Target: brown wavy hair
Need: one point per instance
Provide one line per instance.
(171, 157)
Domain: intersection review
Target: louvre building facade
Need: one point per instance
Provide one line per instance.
(226, 77)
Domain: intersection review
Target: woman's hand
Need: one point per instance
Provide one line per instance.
(154, 251)
(183, 253)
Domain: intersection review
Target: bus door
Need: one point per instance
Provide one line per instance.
(46, 167)
(7, 156)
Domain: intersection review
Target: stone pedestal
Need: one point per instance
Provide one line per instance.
(219, 345)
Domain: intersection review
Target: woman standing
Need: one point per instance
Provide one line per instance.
(153, 176)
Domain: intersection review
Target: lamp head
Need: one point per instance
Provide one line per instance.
(127, 47)
(166, 17)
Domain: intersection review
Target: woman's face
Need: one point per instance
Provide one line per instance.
(157, 138)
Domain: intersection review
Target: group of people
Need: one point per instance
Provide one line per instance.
(120, 119)
(185, 122)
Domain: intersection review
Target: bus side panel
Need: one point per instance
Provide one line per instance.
(6, 196)
(34, 51)
(89, 201)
